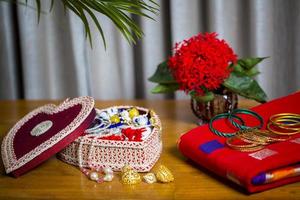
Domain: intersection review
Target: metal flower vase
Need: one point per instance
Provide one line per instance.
(222, 103)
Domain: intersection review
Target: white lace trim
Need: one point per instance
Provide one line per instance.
(10, 161)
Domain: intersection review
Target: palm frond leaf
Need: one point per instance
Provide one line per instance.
(120, 12)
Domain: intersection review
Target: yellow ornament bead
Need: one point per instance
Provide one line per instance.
(164, 175)
(115, 119)
(152, 121)
(152, 113)
(150, 178)
(126, 168)
(133, 112)
(130, 177)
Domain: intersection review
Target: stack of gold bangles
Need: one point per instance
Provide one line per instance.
(280, 128)
(253, 139)
(284, 124)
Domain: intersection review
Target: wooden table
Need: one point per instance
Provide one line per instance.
(57, 180)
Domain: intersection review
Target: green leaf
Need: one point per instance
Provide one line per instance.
(247, 66)
(245, 86)
(248, 63)
(209, 96)
(165, 88)
(162, 74)
(120, 12)
(244, 72)
(252, 72)
(94, 18)
(78, 10)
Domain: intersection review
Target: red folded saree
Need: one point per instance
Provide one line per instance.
(275, 165)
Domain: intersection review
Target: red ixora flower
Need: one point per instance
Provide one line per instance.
(201, 63)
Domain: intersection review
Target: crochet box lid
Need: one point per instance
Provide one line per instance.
(45, 131)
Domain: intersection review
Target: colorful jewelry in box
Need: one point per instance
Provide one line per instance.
(118, 136)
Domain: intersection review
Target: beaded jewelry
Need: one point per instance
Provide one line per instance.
(94, 172)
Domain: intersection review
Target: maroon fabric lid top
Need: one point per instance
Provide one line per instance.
(45, 131)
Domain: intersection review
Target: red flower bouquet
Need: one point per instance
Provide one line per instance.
(203, 65)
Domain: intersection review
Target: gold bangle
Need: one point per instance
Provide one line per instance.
(244, 148)
(252, 137)
(253, 141)
(281, 133)
(250, 149)
(279, 120)
(272, 137)
(289, 126)
(286, 128)
(258, 137)
(234, 146)
(284, 114)
(285, 121)
(287, 116)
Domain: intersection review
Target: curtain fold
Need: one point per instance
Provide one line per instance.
(10, 77)
(52, 53)
(52, 59)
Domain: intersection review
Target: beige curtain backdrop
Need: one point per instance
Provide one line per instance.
(53, 59)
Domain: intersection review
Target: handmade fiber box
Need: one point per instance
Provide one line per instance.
(51, 128)
(274, 165)
(98, 150)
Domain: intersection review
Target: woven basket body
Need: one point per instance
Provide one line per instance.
(115, 154)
